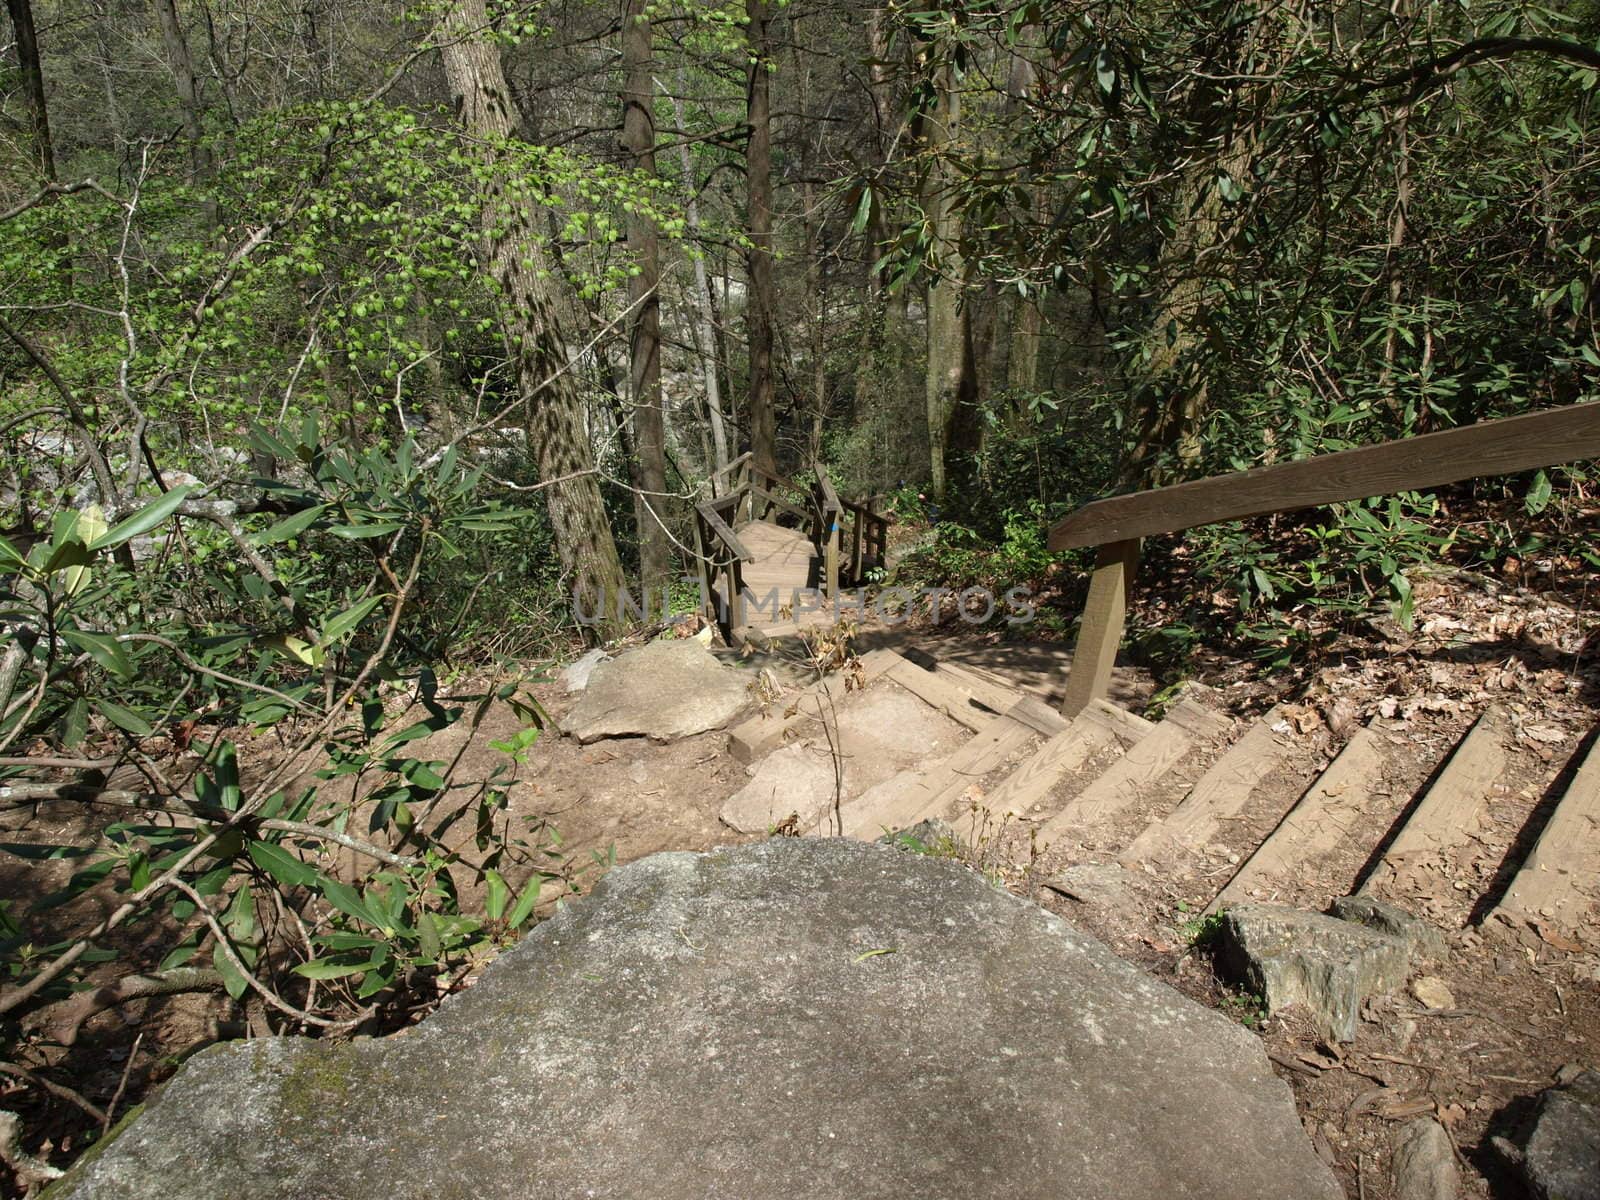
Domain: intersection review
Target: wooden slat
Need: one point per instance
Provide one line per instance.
(1066, 752)
(751, 739)
(941, 692)
(1447, 816)
(1324, 816)
(1125, 780)
(1130, 727)
(1101, 631)
(1500, 447)
(993, 694)
(1038, 715)
(732, 466)
(914, 796)
(1220, 795)
(724, 532)
(1559, 882)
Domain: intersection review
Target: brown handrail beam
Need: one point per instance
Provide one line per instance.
(1501, 447)
(724, 532)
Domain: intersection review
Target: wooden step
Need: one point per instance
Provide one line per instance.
(1059, 756)
(1448, 814)
(992, 693)
(1329, 811)
(945, 694)
(1219, 795)
(755, 737)
(1137, 771)
(916, 795)
(1560, 879)
(1130, 727)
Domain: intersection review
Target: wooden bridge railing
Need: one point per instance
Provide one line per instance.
(1116, 525)
(742, 491)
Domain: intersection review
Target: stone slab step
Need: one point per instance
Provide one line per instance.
(759, 735)
(1328, 812)
(1560, 879)
(1218, 796)
(1448, 814)
(916, 795)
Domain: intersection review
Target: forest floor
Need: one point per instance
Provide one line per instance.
(1523, 1006)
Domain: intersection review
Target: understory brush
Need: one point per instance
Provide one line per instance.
(217, 727)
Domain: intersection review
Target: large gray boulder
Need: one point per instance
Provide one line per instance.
(810, 1018)
(1562, 1157)
(664, 690)
(1327, 965)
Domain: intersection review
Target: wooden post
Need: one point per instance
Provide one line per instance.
(708, 594)
(830, 555)
(857, 528)
(735, 599)
(1101, 631)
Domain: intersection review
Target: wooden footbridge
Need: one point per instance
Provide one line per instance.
(776, 553)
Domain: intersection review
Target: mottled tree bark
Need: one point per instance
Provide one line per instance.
(761, 301)
(950, 379)
(518, 263)
(644, 341)
(32, 71)
(190, 102)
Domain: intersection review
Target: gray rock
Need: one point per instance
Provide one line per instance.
(796, 780)
(929, 836)
(1424, 1166)
(1422, 939)
(1100, 885)
(875, 734)
(1330, 966)
(576, 675)
(720, 1025)
(663, 690)
(1561, 1157)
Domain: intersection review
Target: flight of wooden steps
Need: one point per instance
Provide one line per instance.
(1226, 811)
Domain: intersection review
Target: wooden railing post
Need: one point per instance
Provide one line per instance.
(708, 593)
(1101, 631)
(735, 598)
(830, 554)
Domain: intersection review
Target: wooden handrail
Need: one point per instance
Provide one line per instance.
(724, 532)
(734, 465)
(830, 498)
(1115, 525)
(1501, 447)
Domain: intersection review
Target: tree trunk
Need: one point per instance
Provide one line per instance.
(1171, 399)
(518, 264)
(644, 343)
(44, 154)
(705, 335)
(188, 87)
(949, 367)
(1022, 366)
(761, 301)
(176, 45)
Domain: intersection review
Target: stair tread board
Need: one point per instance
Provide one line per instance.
(1560, 879)
(1066, 752)
(1445, 819)
(1129, 726)
(942, 692)
(916, 795)
(1331, 810)
(1219, 795)
(1130, 778)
